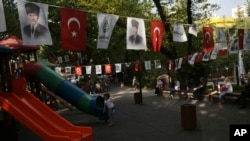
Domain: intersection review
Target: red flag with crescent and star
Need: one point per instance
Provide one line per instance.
(208, 41)
(108, 69)
(157, 32)
(73, 29)
(241, 38)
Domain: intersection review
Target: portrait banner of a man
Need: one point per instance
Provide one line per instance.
(246, 39)
(34, 23)
(136, 37)
(2, 18)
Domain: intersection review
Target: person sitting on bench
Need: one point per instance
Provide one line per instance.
(200, 89)
(226, 89)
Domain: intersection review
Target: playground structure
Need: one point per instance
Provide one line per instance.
(22, 97)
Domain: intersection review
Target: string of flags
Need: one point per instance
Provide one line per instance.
(106, 68)
(73, 30)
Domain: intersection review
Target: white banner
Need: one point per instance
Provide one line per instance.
(247, 40)
(118, 68)
(34, 23)
(98, 69)
(191, 58)
(2, 18)
(88, 69)
(206, 56)
(192, 30)
(136, 37)
(221, 38)
(157, 64)
(214, 53)
(147, 65)
(106, 23)
(179, 34)
(179, 63)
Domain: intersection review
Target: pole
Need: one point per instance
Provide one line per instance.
(139, 77)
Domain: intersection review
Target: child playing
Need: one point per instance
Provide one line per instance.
(108, 108)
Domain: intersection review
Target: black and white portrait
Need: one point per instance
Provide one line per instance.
(34, 23)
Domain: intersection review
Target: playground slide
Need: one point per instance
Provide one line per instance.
(49, 127)
(64, 89)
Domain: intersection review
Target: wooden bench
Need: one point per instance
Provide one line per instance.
(230, 96)
(180, 93)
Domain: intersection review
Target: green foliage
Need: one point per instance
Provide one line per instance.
(238, 88)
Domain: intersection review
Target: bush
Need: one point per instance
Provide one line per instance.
(237, 88)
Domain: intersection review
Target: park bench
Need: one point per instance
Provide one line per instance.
(179, 93)
(230, 96)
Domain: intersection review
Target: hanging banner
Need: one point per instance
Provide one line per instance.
(34, 23)
(198, 58)
(193, 30)
(157, 32)
(179, 34)
(214, 53)
(73, 29)
(88, 69)
(191, 58)
(137, 66)
(157, 64)
(136, 37)
(98, 69)
(106, 23)
(118, 68)
(2, 18)
(108, 68)
(221, 38)
(78, 70)
(241, 38)
(246, 39)
(208, 41)
(206, 56)
(147, 65)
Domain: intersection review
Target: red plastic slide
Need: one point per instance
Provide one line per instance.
(39, 118)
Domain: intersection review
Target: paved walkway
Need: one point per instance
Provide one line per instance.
(157, 119)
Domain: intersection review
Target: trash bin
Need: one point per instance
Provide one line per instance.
(188, 116)
(137, 98)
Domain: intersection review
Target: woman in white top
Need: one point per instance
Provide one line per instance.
(226, 89)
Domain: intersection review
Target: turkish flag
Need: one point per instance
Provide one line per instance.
(137, 66)
(172, 65)
(222, 52)
(198, 57)
(157, 32)
(208, 41)
(78, 70)
(108, 69)
(73, 29)
(185, 58)
(241, 38)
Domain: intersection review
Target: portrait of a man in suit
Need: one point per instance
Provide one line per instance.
(34, 30)
(135, 38)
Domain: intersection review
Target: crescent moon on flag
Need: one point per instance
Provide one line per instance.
(157, 29)
(207, 34)
(73, 19)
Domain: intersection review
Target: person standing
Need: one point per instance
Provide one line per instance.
(158, 86)
(134, 83)
(109, 108)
